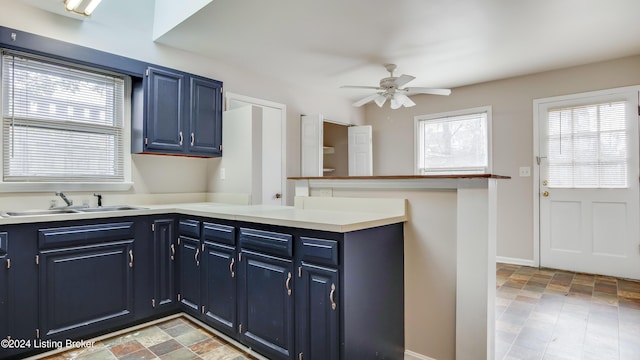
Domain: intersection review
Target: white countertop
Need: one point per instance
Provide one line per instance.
(290, 216)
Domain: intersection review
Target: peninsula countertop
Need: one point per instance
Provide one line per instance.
(298, 216)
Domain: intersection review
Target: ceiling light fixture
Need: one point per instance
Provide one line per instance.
(81, 7)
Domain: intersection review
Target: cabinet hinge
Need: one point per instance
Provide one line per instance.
(202, 247)
(146, 141)
(300, 356)
(220, 147)
(178, 240)
(37, 333)
(202, 309)
(8, 263)
(37, 259)
(178, 297)
(300, 271)
(146, 72)
(240, 328)
(239, 257)
(153, 303)
(153, 227)
(221, 90)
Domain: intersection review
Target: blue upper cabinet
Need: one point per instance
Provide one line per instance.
(164, 108)
(177, 119)
(205, 117)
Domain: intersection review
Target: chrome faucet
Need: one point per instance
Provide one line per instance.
(66, 200)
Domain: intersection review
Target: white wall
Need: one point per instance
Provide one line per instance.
(130, 34)
(512, 102)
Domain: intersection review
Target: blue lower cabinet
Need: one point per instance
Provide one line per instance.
(266, 317)
(317, 313)
(85, 288)
(164, 259)
(5, 266)
(189, 274)
(219, 287)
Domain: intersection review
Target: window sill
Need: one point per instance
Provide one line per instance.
(63, 186)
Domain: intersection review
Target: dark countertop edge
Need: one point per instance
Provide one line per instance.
(402, 177)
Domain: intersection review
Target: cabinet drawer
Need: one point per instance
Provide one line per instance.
(219, 233)
(85, 234)
(319, 251)
(267, 242)
(189, 228)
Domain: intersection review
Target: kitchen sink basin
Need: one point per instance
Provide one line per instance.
(39, 212)
(109, 208)
(71, 210)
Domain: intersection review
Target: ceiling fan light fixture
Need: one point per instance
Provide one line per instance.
(380, 100)
(404, 100)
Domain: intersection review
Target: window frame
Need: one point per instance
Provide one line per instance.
(89, 185)
(443, 115)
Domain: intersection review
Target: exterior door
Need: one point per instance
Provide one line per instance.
(589, 208)
(360, 151)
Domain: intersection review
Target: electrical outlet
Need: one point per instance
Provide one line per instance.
(525, 171)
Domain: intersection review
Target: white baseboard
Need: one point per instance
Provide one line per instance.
(410, 355)
(515, 261)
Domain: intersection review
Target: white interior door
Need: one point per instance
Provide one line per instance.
(589, 200)
(273, 175)
(311, 145)
(360, 151)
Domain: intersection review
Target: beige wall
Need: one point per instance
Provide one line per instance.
(512, 104)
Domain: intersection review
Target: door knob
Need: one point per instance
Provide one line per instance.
(545, 194)
(278, 196)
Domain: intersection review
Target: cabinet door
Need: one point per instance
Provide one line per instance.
(189, 274)
(317, 313)
(205, 117)
(5, 265)
(164, 254)
(219, 287)
(164, 111)
(266, 304)
(86, 288)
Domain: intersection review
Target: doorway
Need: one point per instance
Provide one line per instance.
(274, 135)
(586, 189)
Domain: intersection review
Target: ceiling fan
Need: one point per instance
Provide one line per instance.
(391, 88)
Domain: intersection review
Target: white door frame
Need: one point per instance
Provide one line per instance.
(536, 155)
(229, 96)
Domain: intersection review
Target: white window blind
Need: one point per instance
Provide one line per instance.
(587, 146)
(453, 144)
(60, 123)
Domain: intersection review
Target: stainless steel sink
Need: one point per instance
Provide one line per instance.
(109, 208)
(38, 212)
(70, 210)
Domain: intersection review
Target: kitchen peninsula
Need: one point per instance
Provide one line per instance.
(280, 281)
(450, 240)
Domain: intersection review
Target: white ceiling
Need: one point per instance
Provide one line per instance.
(443, 43)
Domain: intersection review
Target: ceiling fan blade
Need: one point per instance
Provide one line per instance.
(380, 100)
(404, 100)
(403, 79)
(360, 87)
(365, 100)
(424, 90)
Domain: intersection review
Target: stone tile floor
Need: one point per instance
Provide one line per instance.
(175, 339)
(551, 315)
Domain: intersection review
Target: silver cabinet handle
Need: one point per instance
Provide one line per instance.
(130, 258)
(333, 290)
(181, 138)
(173, 251)
(192, 139)
(196, 257)
(287, 284)
(233, 260)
